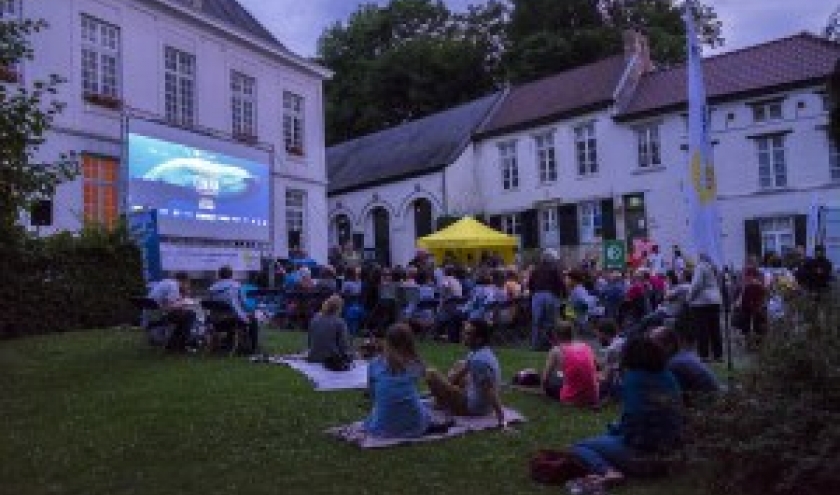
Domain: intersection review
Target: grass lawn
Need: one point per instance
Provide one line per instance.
(99, 412)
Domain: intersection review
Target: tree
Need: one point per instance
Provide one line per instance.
(832, 29)
(546, 36)
(26, 114)
(406, 60)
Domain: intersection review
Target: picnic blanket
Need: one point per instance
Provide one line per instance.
(355, 434)
(324, 379)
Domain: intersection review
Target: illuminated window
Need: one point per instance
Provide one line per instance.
(179, 86)
(100, 58)
(243, 90)
(101, 189)
(777, 235)
(293, 123)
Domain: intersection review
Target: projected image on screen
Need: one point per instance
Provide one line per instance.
(192, 185)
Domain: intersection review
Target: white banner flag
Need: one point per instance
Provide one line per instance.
(700, 185)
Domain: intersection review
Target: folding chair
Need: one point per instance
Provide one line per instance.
(224, 331)
(158, 330)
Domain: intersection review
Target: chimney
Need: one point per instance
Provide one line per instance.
(636, 45)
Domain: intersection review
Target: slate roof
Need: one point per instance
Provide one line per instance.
(230, 12)
(793, 61)
(409, 150)
(572, 92)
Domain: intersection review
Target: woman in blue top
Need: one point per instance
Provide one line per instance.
(651, 420)
(392, 383)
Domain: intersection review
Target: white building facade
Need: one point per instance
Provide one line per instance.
(200, 78)
(600, 152)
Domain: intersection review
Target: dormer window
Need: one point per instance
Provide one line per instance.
(767, 111)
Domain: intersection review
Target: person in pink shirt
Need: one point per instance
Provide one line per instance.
(570, 374)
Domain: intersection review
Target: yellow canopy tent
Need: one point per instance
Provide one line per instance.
(466, 240)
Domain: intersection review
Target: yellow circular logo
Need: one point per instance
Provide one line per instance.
(703, 178)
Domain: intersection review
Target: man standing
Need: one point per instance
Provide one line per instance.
(171, 296)
(704, 300)
(816, 273)
(472, 386)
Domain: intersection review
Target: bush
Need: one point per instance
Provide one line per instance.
(68, 282)
(779, 430)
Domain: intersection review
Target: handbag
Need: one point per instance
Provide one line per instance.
(556, 467)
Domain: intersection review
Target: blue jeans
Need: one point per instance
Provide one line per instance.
(606, 452)
(543, 315)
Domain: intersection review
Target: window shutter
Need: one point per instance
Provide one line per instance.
(607, 220)
(567, 224)
(530, 229)
(800, 230)
(752, 238)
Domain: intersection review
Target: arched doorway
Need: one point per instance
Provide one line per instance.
(422, 211)
(381, 235)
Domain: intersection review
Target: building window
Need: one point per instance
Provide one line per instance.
(296, 218)
(767, 111)
(100, 58)
(546, 157)
(243, 91)
(100, 189)
(548, 220)
(293, 123)
(777, 235)
(511, 225)
(10, 9)
(589, 216)
(585, 148)
(179, 90)
(772, 167)
(510, 169)
(648, 137)
(834, 157)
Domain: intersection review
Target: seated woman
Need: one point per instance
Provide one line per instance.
(328, 339)
(354, 311)
(392, 384)
(422, 319)
(650, 425)
(570, 374)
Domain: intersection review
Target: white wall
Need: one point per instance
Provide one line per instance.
(145, 28)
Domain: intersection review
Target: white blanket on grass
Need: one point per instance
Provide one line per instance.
(324, 379)
(355, 434)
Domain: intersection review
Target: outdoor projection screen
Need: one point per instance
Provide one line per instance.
(201, 187)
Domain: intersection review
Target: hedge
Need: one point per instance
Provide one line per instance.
(68, 282)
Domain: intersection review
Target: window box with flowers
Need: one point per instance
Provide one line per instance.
(294, 150)
(9, 74)
(245, 137)
(105, 101)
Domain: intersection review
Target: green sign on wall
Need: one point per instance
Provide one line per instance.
(614, 255)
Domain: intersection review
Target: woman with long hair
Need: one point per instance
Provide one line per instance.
(392, 384)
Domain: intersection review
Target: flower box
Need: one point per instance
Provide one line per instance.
(245, 137)
(106, 101)
(294, 150)
(9, 74)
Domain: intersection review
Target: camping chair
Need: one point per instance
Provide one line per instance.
(272, 302)
(158, 330)
(504, 322)
(223, 328)
(424, 316)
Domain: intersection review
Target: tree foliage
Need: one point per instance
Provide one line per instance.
(26, 113)
(546, 36)
(410, 58)
(406, 60)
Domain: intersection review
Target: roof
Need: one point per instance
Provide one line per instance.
(232, 13)
(571, 92)
(409, 150)
(466, 233)
(787, 62)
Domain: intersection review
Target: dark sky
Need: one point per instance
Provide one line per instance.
(298, 23)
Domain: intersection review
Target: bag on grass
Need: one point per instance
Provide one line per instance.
(556, 467)
(338, 362)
